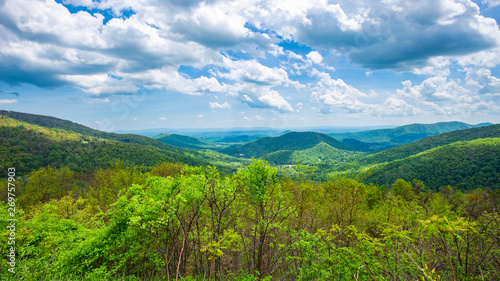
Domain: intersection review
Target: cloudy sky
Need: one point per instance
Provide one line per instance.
(136, 64)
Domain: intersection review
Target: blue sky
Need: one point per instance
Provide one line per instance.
(126, 65)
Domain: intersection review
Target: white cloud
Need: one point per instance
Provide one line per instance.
(491, 3)
(255, 73)
(225, 105)
(446, 96)
(336, 93)
(162, 118)
(273, 99)
(315, 57)
(396, 108)
(200, 116)
(8, 101)
(101, 84)
(92, 101)
(43, 44)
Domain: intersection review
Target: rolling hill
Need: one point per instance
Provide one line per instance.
(186, 141)
(56, 123)
(289, 141)
(465, 165)
(28, 147)
(321, 153)
(466, 159)
(377, 140)
(403, 151)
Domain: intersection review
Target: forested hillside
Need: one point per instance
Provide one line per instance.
(464, 165)
(289, 141)
(92, 208)
(29, 147)
(403, 151)
(56, 123)
(186, 141)
(386, 138)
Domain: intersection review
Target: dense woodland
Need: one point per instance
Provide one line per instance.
(93, 208)
(191, 223)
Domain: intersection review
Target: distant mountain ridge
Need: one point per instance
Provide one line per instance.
(185, 141)
(403, 151)
(288, 141)
(386, 138)
(466, 159)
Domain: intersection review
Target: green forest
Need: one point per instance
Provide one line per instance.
(92, 206)
(178, 222)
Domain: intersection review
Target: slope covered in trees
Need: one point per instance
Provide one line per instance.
(403, 151)
(87, 209)
(186, 141)
(289, 141)
(28, 147)
(386, 138)
(463, 165)
(321, 153)
(56, 123)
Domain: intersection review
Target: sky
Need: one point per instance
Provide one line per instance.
(141, 64)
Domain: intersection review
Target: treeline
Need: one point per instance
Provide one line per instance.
(191, 223)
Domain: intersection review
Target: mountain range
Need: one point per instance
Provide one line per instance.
(451, 153)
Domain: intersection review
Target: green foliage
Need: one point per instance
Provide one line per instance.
(322, 153)
(465, 165)
(192, 223)
(83, 215)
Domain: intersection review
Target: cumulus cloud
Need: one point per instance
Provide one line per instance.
(315, 57)
(225, 105)
(384, 34)
(273, 99)
(395, 107)
(446, 96)
(483, 81)
(335, 93)
(254, 72)
(122, 46)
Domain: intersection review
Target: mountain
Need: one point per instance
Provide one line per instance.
(465, 165)
(322, 153)
(386, 138)
(403, 151)
(186, 141)
(289, 141)
(466, 159)
(28, 147)
(56, 123)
